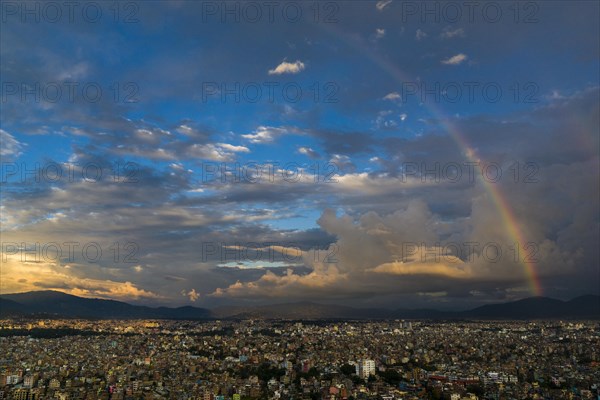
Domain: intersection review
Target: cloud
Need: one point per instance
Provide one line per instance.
(343, 164)
(420, 34)
(382, 121)
(140, 139)
(233, 148)
(287, 68)
(449, 33)
(359, 249)
(455, 60)
(289, 285)
(307, 151)
(111, 290)
(267, 134)
(369, 246)
(392, 96)
(439, 269)
(187, 130)
(379, 33)
(9, 146)
(192, 294)
(423, 260)
(54, 276)
(171, 210)
(363, 259)
(381, 4)
(207, 152)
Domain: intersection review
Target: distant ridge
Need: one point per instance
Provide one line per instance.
(53, 304)
(59, 304)
(539, 307)
(300, 310)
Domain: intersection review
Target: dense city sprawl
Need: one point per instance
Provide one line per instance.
(334, 360)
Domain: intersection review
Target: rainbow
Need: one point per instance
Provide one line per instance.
(507, 215)
(510, 221)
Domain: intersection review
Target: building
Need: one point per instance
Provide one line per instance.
(29, 381)
(365, 368)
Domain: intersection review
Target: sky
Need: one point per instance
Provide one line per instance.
(368, 153)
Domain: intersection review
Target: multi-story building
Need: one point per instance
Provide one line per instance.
(54, 384)
(29, 381)
(365, 368)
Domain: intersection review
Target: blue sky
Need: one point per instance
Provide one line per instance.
(320, 117)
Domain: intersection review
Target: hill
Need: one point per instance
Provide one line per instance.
(53, 303)
(61, 305)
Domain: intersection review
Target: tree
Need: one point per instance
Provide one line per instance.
(476, 389)
(347, 369)
(390, 376)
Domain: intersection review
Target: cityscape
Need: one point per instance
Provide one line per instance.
(278, 359)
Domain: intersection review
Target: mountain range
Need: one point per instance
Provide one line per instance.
(59, 304)
(54, 304)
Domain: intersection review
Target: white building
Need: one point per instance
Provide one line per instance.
(365, 368)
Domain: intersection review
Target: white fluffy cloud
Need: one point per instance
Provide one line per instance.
(307, 151)
(393, 96)
(214, 152)
(455, 60)
(9, 146)
(267, 134)
(287, 68)
(192, 295)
